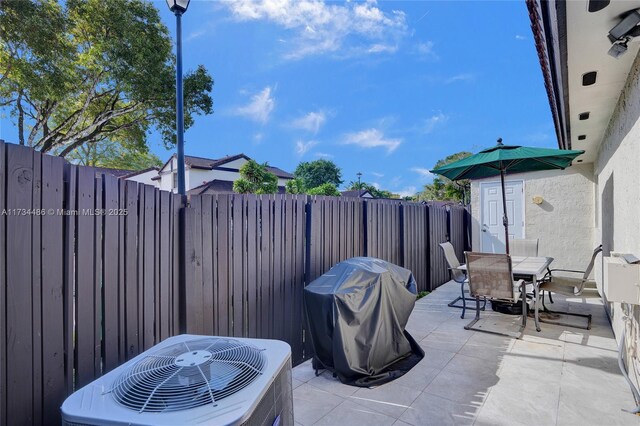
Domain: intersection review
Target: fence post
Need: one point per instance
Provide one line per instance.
(401, 255)
(427, 241)
(182, 263)
(365, 229)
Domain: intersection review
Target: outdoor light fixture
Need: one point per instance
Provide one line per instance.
(178, 7)
(623, 32)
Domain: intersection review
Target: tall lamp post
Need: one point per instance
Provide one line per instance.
(359, 184)
(179, 7)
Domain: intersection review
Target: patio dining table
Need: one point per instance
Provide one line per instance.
(531, 267)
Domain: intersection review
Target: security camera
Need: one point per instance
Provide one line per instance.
(628, 27)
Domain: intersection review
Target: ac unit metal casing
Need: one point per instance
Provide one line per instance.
(267, 398)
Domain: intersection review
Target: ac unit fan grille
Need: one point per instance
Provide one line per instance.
(189, 375)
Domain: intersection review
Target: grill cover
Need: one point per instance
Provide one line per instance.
(357, 313)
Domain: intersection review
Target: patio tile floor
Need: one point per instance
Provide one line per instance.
(560, 376)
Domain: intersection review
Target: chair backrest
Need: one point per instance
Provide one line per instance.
(490, 275)
(523, 247)
(587, 271)
(452, 260)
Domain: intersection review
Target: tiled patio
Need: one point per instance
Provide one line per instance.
(563, 376)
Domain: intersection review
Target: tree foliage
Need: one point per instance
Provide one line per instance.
(295, 186)
(324, 189)
(81, 72)
(315, 173)
(114, 155)
(375, 192)
(444, 189)
(256, 179)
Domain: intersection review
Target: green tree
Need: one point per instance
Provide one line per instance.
(324, 189)
(375, 192)
(315, 173)
(444, 189)
(81, 72)
(114, 155)
(256, 179)
(294, 186)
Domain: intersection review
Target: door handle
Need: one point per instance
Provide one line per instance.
(484, 228)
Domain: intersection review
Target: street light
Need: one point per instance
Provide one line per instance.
(178, 7)
(359, 184)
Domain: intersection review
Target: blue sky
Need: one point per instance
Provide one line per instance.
(384, 88)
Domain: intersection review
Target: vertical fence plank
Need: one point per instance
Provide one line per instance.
(18, 286)
(208, 309)
(131, 271)
(53, 391)
(3, 284)
(123, 213)
(36, 286)
(237, 225)
(265, 266)
(85, 278)
(224, 254)
(148, 267)
(98, 219)
(164, 284)
(110, 274)
(251, 266)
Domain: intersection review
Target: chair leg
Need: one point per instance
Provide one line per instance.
(477, 318)
(453, 303)
(587, 316)
(550, 298)
(536, 295)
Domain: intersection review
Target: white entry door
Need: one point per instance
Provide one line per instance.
(491, 227)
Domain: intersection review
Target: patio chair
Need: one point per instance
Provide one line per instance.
(458, 276)
(526, 247)
(568, 286)
(490, 275)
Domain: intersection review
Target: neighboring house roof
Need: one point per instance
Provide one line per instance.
(212, 163)
(361, 193)
(139, 172)
(219, 187)
(119, 173)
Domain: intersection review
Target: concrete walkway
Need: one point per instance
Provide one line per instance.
(560, 376)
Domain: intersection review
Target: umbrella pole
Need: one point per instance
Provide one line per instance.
(505, 220)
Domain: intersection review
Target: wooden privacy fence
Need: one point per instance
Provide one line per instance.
(88, 278)
(95, 270)
(249, 257)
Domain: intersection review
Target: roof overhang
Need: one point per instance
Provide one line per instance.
(571, 41)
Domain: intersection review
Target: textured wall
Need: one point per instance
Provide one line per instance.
(617, 170)
(564, 222)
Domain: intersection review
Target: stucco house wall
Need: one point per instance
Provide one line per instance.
(563, 223)
(617, 170)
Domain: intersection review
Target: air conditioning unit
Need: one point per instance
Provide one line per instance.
(187, 380)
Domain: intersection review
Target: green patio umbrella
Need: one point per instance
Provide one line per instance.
(502, 159)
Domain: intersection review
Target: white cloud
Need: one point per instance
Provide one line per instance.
(310, 122)
(258, 137)
(407, 191)
(195, 34)
(520, 37)
(460, 77)
(319, 27)
(303, 147)
(425, 49)
(422, 171)
(260, 107)
(378, 175)
(383, 48)
(323, 155)
(435, 120)
(372, 138)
